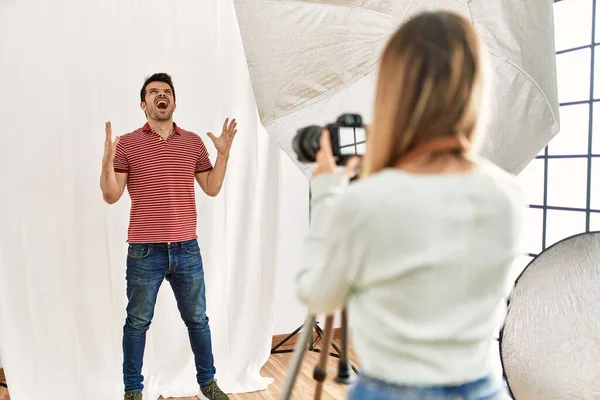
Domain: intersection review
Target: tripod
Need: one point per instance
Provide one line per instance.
(320, 371)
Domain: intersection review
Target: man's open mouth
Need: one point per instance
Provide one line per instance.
(162, 104)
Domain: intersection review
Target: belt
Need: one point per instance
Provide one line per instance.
(167, 245)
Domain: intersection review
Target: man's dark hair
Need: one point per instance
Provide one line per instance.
(158, 77)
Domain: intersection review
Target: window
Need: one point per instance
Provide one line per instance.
(563, 198)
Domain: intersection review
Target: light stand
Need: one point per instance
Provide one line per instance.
(314, 325)
(313, 322)
(342, 353)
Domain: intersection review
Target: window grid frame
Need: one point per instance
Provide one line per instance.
(591, 118)
(590, 101)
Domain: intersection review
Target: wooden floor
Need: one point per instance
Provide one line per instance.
(276, 368)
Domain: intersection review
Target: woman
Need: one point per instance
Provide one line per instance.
(420, 248)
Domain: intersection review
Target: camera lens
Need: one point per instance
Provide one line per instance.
(306, 143)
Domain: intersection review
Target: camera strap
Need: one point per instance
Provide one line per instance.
(443, 144)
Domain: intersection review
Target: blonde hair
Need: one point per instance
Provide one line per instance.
(430, 86)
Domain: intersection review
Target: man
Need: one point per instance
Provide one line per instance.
(158, 163)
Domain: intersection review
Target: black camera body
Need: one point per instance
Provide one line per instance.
(348, 138)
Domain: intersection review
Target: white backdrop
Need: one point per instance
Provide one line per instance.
(67, 66)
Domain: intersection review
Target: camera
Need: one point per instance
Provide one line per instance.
(348, 139)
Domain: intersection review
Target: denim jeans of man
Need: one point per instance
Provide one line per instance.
(148, 265)
(367, 388)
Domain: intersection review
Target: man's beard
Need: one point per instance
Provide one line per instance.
(155, 115)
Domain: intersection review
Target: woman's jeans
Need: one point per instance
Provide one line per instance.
(366, 388)
(147, 266)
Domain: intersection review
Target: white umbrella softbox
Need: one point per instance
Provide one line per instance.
(312, 60)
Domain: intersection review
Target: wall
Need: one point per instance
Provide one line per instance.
(289, 312)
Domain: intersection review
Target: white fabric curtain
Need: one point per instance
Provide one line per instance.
(67, 66)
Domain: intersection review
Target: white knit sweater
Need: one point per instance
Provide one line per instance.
(422, 262)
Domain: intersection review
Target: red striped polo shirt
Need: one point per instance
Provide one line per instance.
(161, 183)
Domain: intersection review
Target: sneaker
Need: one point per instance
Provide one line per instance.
(212, 391)
(133, 395)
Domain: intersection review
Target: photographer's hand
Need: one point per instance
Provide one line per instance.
(325, 162)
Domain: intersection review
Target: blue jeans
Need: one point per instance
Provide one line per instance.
(367, 388)
(147, 266)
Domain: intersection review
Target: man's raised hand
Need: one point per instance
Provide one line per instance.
(110, 147)
(223, 142)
